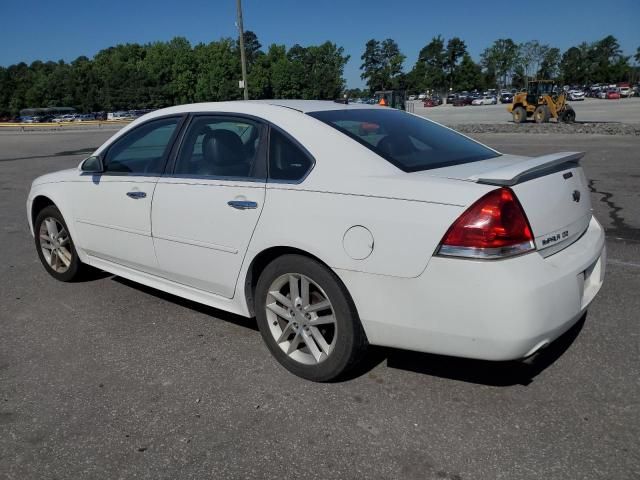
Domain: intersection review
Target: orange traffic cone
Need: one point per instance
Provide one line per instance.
(382, 102)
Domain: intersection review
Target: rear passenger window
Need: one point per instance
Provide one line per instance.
(220, 147)
(287, 161)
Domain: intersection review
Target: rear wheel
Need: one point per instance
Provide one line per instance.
(55, 246)
(307, 319)
(519, 115)
(542, 115)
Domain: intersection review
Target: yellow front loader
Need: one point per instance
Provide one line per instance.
(541, 103)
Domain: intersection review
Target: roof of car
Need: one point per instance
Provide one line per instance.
(303, 106)
(314, 105)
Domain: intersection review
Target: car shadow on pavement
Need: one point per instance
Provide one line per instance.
(499, 374)
(91, 275)
(239, 320)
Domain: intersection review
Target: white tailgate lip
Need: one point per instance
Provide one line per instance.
(511, 174)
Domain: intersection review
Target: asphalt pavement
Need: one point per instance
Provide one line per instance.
(109, 379)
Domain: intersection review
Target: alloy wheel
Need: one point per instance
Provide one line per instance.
(301, 318)
(55, 244)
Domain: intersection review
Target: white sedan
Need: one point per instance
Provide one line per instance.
(336, 225)
(576, 95)
(485, 100)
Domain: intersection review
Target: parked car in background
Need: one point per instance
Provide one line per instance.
(432, 101)
(506, 97)
(575, 95)
(118, 116)
(85, 117)
(484, 100)
(422, 96)
(451, 97)
(70, 117)
(411, 98)
(426, 240)
(462, 100)
(27, 119)
(612, 94)
(625, 92)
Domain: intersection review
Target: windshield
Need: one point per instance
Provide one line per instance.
(409, 142)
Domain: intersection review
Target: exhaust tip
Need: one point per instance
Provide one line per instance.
(536, 349)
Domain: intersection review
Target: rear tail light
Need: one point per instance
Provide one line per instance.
(493, 227)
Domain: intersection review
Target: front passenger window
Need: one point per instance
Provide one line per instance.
(144, 149)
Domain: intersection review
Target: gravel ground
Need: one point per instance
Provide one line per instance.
(551, 128)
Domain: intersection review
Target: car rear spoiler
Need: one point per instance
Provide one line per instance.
(529, 169)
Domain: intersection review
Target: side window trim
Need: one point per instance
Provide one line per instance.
(298, 145)
(181, 120)
(261, 152)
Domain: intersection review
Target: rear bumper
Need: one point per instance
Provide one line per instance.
(491, 310)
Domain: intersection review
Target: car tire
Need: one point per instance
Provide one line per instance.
(313, 331)
(519, 115)
(55, 246)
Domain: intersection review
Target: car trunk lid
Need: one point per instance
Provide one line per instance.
(552, 190)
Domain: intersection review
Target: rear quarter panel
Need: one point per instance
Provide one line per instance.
(405, 232)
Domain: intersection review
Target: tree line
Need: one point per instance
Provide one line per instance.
(159, 74)
(446, 65)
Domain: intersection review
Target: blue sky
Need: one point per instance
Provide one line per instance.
(66, 29)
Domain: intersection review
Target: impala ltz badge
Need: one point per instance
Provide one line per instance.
(555, 238)
(576, 196)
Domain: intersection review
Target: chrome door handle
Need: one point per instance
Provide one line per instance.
(242, 204)
(136, 194)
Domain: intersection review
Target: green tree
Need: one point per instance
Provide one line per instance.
(530, 56)
(217, 71)
(456, 49)
(468, 75)
(429, 70)
(601, 62)
(574, 65)
(609, 65)
(499, 60)
(549, 65)
(381, 64)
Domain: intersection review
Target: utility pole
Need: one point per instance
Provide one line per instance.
(243, 59)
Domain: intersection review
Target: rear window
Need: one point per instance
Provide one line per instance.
(409, 142)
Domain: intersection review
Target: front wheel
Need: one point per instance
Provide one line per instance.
(307, 319)
(519, 115)
(55, 246)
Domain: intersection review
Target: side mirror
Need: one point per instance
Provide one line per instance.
(92, 165)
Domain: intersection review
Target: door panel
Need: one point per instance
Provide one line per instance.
(112, 210)
(113, 225)
(204, 213)
(200, 239)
